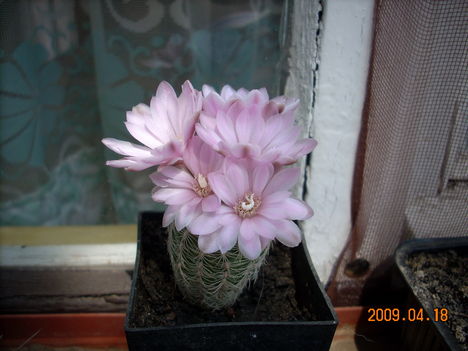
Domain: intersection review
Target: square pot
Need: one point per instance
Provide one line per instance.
(315, 333)
(432, 333)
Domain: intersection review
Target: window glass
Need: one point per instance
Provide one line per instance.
(70, 69)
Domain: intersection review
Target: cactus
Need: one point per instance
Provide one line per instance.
(221, 165)
(212, 280)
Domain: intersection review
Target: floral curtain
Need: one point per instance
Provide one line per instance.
(69, 70)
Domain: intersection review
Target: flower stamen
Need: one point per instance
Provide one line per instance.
(247, 208)
(201, 186)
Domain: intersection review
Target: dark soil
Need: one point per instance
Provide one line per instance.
(439, 280)
(159, 303)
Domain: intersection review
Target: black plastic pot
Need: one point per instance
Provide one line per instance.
(252, 335)
(432, 334)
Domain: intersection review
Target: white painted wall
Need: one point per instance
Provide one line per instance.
(343, 65)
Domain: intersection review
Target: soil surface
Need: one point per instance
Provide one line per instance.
(159, 303)
(439, 280)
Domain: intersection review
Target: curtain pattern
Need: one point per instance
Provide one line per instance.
(70, 69)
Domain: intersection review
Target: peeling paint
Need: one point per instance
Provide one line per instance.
(331, 84)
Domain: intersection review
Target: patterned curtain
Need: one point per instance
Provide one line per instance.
(69, 70)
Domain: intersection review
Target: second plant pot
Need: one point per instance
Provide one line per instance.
(435, 273)
(285, 309)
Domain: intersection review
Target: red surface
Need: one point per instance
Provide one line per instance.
(70, 329)
(99, 330)
(349, 315)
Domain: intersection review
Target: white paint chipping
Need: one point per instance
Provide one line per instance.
(68, 255)
(344, 54)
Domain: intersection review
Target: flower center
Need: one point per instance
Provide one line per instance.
(247, 207)
(201, 186)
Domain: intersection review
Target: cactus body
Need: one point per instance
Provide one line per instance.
(210, 280)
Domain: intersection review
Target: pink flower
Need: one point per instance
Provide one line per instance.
(257, 208)
(213, 101)
(164, 128)
(187, 191)
(245, 124)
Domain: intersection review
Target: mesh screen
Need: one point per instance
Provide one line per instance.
(416, 156)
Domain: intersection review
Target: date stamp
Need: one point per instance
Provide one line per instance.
(407, 315)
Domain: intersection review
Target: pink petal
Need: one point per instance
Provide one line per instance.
(211, 203)
(264, 242)
(209, 137)
(207, 121)
(245, 150)
(163, 181)
(271, 155)
(212, 103)
(247, 229)
(283, 180)
(180, 197)
(208, 243)
(165, 100)
(264, 227)
(227, 237)
(129, 164)
(164, 110)
(227, 92)
(207, 90)
(169, 215)
(244, 126)
(276, 197)
(270, 109)
(295, 209)
(272, 211)
(288, 135)
(142, 109)
(176, 173)
(159, 179)
(208, 159)
(173, 196)
(141, 134)
(204, 224)
(239, 178)
(228, 219)
(185, 215)
(225, 127)
(288, 233)
(162, 194)
(189, 106)
(168, 153)
(242, 93)
(250, 248)
(308, 145)
(303, 147)
(261, 175)
(289, 105)
(191, 155)
(135, 118)
(222, 187)
(257, 125)
(125, 148)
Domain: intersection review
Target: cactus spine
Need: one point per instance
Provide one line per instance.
(210, 280)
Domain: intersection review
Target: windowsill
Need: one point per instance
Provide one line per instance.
(66, 268)
(67, 235)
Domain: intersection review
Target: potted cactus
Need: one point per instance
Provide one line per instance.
(224, 171)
